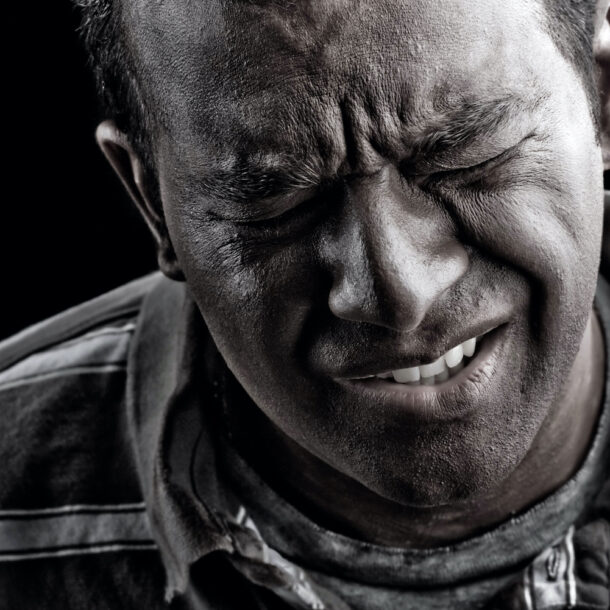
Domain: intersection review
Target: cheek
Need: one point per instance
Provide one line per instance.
(545, 227)
(250, 296)
(545, 217)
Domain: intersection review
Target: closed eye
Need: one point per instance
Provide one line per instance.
(471, 173)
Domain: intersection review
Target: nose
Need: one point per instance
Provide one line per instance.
(392, 254)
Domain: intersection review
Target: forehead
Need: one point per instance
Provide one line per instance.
(281, 78)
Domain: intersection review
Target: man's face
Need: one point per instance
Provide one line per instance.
(357, 187)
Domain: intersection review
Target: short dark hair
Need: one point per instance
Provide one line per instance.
(570, 24)
(120, 94)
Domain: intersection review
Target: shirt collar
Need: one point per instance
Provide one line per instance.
(165, 373)
(174, 375)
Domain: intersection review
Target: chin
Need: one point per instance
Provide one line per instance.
(451, 463)
(435, 487)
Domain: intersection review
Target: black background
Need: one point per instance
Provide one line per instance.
(68, 231)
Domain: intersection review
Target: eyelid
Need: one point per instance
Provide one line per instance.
(271, 208)
(302, 208)
(461, 172)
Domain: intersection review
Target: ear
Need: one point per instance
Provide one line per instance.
(130, 169)
(601, 50)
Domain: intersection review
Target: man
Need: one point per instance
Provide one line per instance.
(377, 375)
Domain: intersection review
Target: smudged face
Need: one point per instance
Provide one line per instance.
(354, 189)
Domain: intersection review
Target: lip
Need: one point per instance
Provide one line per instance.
(375, 365)
(450, 399)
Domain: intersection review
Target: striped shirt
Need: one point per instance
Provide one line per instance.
(119, 490)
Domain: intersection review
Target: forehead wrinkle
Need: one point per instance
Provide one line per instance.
(242, 109)
(254, 175)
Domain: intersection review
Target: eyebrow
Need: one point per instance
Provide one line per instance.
(249, 179)
(461, 126)
(454, 127)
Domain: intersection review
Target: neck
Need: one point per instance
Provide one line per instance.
(341, 504)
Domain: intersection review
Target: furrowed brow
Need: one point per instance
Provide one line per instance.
(473, 119)
(255, 181)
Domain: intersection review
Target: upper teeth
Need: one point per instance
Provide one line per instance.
(436, 371)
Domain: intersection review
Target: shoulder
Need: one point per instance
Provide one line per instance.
(106, 310)
(62, 396)
(69, 483)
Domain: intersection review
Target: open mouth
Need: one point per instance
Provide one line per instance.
(449, 387)
(456, 362)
